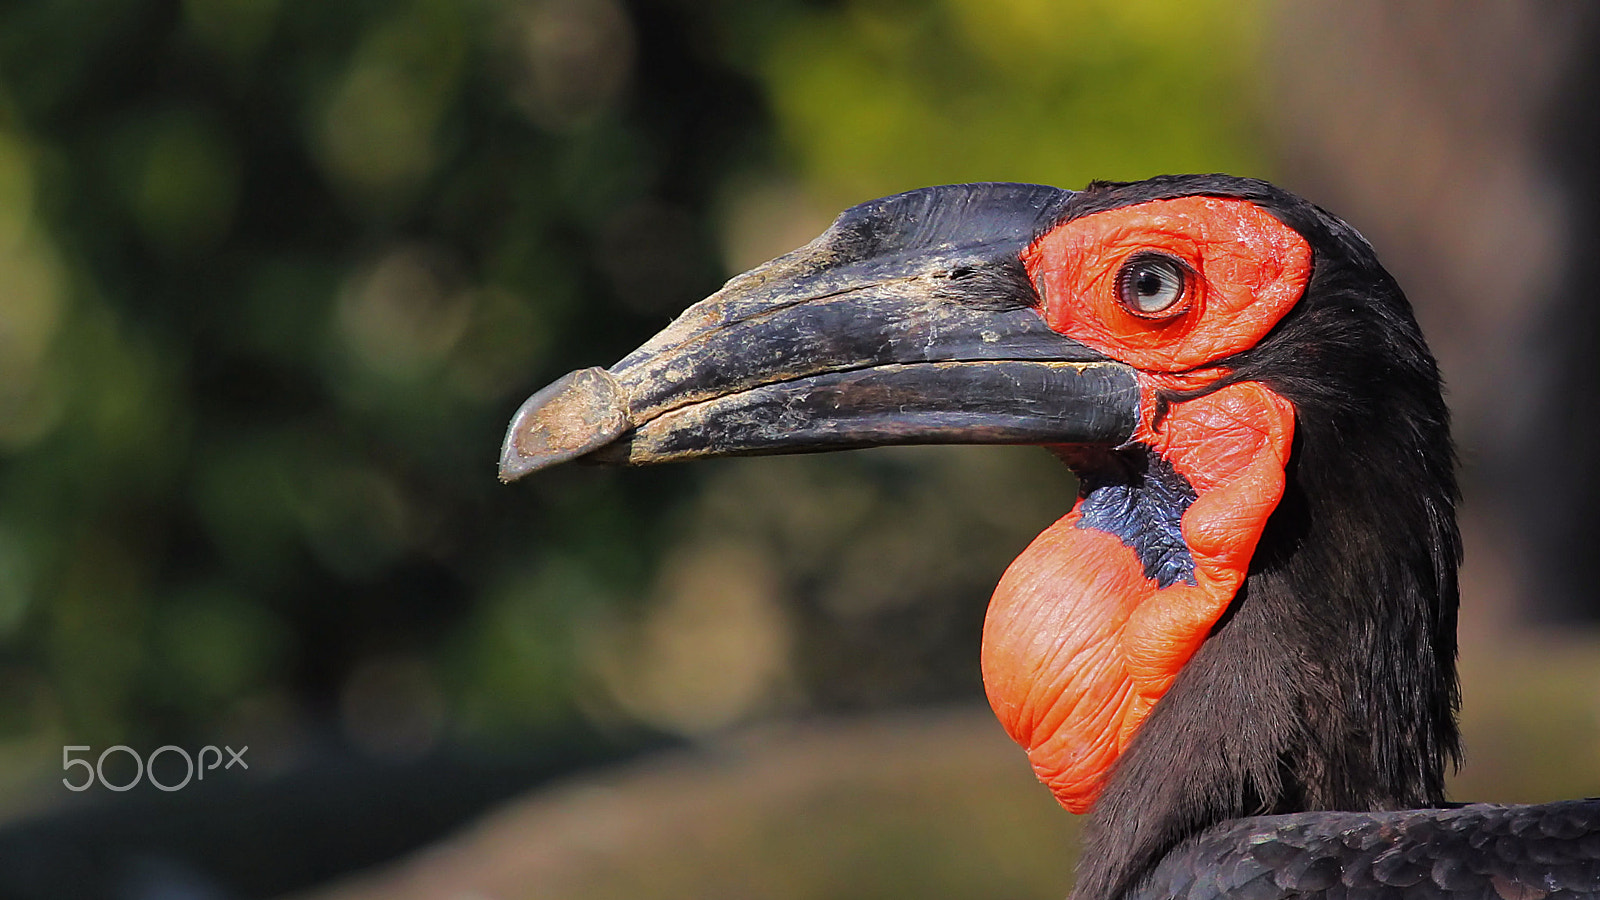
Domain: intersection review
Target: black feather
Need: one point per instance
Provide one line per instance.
(1477, 851)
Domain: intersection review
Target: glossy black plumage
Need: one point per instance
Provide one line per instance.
(1481, 850)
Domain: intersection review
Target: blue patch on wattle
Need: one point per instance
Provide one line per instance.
(1142, 504)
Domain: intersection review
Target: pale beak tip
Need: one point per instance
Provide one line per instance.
(575, 415)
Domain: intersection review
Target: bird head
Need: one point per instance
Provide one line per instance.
(1256, 424)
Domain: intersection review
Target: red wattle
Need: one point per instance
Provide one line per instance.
(1079, 645)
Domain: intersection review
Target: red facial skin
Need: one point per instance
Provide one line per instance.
(1079, 645)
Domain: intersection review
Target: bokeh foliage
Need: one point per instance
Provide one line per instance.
(274, 274)
(882, 97)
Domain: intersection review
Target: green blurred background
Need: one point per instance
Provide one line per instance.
(274, 274)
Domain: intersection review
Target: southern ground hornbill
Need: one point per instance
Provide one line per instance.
(1237, 651)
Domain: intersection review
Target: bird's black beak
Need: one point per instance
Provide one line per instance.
(911, 320)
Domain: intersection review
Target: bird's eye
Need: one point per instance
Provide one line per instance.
(1152, 285)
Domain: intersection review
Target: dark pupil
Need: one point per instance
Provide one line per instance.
(1147, 283)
